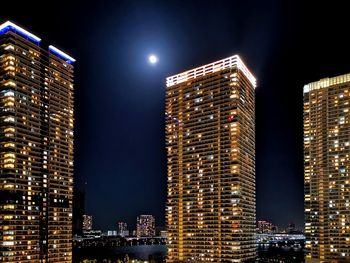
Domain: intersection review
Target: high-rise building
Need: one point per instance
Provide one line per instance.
(210, 138)
(326, 169)
(87, 222)
(145, 226)
(123, 229)
(36, 149)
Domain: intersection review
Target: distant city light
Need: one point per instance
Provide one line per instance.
(153, 59)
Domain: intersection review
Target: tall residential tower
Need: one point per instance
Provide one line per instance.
(326, 169)
(36, 149)
(210, 138)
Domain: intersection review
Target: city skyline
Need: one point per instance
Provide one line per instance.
(293, 45)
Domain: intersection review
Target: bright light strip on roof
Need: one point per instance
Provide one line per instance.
(326, 82)
(9, 25)
(61, 54)
(234, 61)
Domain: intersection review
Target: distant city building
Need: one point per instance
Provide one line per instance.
(163, 234)
(327, 169)
(210, 138)
(87, 222)
(275, 229)
(265, 227)
(159, 229)
(112, 233)
(123, 229)
(36, 148)
(145, 226)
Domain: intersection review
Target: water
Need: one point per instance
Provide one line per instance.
(156, 253)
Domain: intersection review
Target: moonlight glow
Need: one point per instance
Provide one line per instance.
(153, 59)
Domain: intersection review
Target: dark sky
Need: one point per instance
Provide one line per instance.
(119, 103)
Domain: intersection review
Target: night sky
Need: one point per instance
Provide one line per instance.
(120, 157)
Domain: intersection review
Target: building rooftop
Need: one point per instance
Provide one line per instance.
(7, 26)
(233, 61)
(326, 82)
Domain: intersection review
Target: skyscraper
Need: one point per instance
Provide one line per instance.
(36, 149)
(326, 169)
(145, 226)
(210, 138)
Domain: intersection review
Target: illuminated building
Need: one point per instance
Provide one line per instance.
(326, 169)
(210, 138)
(123, 229)
(265, 227)
(163, 234)
(87, 222)
(36, 149)
(112, 233)
(145, 226)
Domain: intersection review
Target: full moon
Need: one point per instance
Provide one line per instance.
(153, 59)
